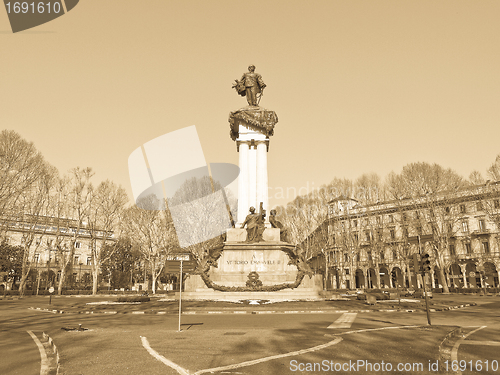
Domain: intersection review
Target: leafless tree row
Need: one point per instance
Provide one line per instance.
(427, 201)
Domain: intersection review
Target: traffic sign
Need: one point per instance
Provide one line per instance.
(177, 257)
(174, 266)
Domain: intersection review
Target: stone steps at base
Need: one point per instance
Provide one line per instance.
(236, 296)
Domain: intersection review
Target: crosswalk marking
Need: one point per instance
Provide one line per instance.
(345, 321)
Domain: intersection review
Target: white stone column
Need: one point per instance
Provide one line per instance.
(262, 190)
(243, 205)
(252, 179)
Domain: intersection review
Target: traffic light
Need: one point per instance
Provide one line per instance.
(394, 277)
(426, 263)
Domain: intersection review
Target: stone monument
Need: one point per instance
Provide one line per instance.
(255, 261)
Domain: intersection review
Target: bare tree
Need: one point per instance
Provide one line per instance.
(78, 196)
(152, 230)
(33, 205)
(21, 165)
(201, 214)
(491, 189)
(428, 194)
(106, 207)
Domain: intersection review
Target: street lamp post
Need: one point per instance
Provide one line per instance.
(37, 277)
(80, 278)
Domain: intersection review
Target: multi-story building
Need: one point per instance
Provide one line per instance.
(373, 246)
(51, 241)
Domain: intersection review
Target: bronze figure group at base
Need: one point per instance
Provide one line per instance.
(255, 225)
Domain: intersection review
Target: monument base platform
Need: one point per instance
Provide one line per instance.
(309, 289)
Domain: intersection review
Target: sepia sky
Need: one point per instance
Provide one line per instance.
(359, 86)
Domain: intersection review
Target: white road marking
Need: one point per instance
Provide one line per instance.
(477, 342)
(345, 321)
(44, 361)
(162, 359)
(454, 351)
(265, 359)
(183, 371)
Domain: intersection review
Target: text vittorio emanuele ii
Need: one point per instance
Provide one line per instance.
(254, 261)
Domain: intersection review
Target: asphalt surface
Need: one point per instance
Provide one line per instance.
(268, 343)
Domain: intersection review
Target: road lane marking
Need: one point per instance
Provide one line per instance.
(477, 342)
(270, 358)
(183, 371)
(44, 360)
(345, 321)
(454, 351)
(162, 359)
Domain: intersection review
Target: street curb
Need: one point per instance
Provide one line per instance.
(54, 350)
(253, 312)
(446, 346)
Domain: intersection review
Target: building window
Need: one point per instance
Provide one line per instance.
(370, 256)
(486, 247)
(379, 220)
(367, 234)
(462, 209)
(403, 216)
(468, 248)
(333, 240)
(380, 234)
(405, 232)
(449, 227)
(356, 237)
(89, 261)
(355, 223)
(76, 260)
(479, 206)
(358, 258)
(346, 258)
(394, 255)
(38, 240)
(77, 245)
(482, 225)
(465, 226)
(447, 209)
(37, 258)
(391, 219)
(452, 249)
(496, 203)
(393, 234)
(417, 215)
(382, 255)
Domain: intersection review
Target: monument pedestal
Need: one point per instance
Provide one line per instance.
(266, 265)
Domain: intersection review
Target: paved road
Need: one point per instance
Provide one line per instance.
(250, 344)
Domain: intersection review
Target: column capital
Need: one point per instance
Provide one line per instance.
(252, 143)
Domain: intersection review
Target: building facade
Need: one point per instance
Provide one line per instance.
(373, 246)
(49, 242)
